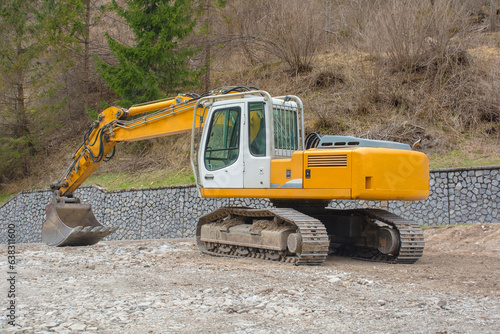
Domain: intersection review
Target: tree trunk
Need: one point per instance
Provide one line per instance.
(208, 52)
(493, 16)
(21, 127)
(86, 56)
(208, 46)
(21, 120)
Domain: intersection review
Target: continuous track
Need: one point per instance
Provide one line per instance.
(315, 242)
(411, 238)
(315, 239)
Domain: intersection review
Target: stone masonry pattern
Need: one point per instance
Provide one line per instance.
(458, 196)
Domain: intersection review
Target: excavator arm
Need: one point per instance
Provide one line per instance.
(171, 116)
(68, 222)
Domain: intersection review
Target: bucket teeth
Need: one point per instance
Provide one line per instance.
(72, 224)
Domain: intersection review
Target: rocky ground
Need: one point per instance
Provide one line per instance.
(167, 286)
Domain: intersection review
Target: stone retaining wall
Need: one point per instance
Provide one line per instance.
(458, 196)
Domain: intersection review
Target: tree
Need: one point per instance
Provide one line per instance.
(32, 42)
(287, 30)
(80, 81)
(20, 47)
(80, 26)
(207, 8)
(156, 64)
(16, 53)
(493, 16)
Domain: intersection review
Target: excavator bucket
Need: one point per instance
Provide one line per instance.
(72, 224)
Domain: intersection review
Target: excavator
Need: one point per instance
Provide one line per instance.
(247, 144)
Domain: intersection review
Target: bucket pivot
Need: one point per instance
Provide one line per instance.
(70, 223)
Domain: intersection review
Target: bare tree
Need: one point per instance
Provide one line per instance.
(288, 30)
(210, 34)
(414, 34)
(493, 16)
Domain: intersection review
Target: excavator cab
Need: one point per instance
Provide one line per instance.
(70, 223)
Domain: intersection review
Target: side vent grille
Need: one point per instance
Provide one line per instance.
(338, 160)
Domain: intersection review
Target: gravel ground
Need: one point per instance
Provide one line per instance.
(167, 286)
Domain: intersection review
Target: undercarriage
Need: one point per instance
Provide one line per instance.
(306, 234)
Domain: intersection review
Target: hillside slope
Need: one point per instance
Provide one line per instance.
(347, 92)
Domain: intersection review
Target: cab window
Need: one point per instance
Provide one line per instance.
(257, 129)
(223, 142)
(285, 131)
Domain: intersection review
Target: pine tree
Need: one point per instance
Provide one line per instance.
(156, 65)
(20, 47)
(32, 46)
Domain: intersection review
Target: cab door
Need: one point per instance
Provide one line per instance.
(221, 160)
(256, 152)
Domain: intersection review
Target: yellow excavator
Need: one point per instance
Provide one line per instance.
(246, 143)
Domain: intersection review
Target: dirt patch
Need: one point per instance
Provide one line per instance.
(464, 259)
(168, 286)
(469, 240)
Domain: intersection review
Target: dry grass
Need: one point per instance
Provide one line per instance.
(399, 71)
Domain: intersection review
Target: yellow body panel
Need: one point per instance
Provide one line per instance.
(366, 173)
(389, 174)
(328, 169)
(279, 167)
